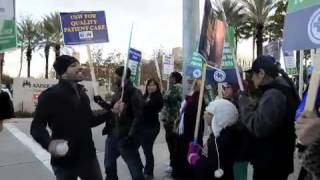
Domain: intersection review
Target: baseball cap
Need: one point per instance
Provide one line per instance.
(265, 62)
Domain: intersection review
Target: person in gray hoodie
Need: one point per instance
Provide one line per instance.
(270, 121)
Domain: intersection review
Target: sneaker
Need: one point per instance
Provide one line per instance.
(168, 169)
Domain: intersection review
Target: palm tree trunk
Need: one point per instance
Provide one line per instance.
(259, 37)
(46, 54)
(21, 60)
(57, 52)
(1, 67)
(29, 56)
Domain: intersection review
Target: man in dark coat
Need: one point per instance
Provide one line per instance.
(65, 108)
(122, 130)
(6, 106)
(270, 121)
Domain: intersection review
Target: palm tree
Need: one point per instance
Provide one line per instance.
(258, 12)
(51, 36)
(234, 13)
(28, 31)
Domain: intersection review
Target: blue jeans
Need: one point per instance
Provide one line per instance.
(129, 152)
(86, 170)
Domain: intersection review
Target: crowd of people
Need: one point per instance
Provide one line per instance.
(256, 126)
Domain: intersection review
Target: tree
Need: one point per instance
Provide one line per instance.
(51, 36)
(274, 28)
(234, 14)
(258, 12)
(28, 32)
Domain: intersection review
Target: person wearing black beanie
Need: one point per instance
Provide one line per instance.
(65, 109)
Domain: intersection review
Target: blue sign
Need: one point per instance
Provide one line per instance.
(85, 27)
(214, 76)
(134, 55)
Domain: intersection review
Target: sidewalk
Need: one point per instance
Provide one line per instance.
(18, 162)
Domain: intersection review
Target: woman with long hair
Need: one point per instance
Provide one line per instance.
(150, 124)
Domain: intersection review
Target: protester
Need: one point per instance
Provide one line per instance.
(6, 106)
(65, 109)
(270, 121)
(122, 130)
(308, 132)
(153, 103)
(185, 131)
(170, 112)
(219, 153)
(230, 92)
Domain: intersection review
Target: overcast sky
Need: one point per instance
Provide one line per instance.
(156, 24)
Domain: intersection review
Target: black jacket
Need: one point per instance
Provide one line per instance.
(271, 121)
(152, 107)
(190, 116)
(126, 124)
(227, 143)
(69, 117)
(6, 106)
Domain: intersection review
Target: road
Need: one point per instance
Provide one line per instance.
(22, 159)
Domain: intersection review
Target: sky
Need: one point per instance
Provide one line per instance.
(156, 24)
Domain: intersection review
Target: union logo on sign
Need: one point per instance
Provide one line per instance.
(314, 27)
(219, 76)
(196, 73)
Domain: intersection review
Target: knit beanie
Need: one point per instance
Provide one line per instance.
(62, 63)
(224, 114)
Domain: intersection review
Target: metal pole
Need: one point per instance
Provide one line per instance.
(301, 74)
(191, 31)
(1, 68)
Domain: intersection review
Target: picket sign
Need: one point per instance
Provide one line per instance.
(204, 71)
(313, 85)
(93, 75)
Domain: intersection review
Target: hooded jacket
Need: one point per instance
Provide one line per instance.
(271, 121)
(223, 142)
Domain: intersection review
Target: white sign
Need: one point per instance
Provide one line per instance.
(133, 65)
(27, 90)
(290, 62)
(7, 9)
(168, 65)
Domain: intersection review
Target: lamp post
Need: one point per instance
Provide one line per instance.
(191, 32)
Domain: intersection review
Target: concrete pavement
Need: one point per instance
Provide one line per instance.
(21, 159)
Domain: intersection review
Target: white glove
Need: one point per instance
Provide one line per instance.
(58, 147)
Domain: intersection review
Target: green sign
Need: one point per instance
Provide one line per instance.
(194, 68)
(290, 62)
(296, 5)
(8, 38)
(229, 45)
(196, 60)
